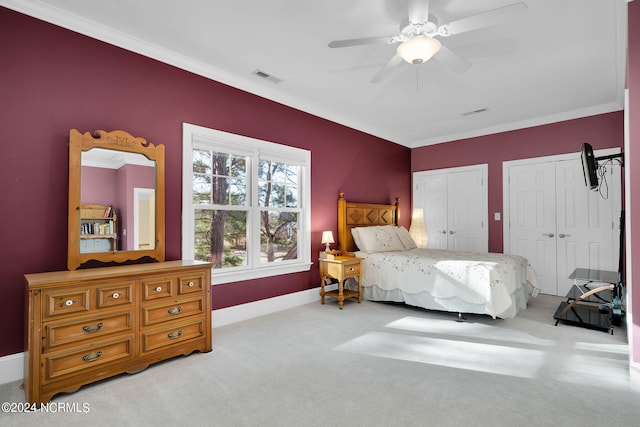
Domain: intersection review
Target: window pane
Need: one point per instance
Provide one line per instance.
(221, 237)
(238, 167)
(201, 189)
(237, 191)
(219, 178)
(220, 196)
(278, 236)
(291, 197)
(202, 161)
(277, 184)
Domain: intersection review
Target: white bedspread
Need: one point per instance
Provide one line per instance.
(489, 280)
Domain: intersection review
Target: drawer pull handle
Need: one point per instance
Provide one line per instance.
(93, 328)
(174, 335)
(191, 284)
(92, 356)
(115, 295)
(175, 310)
(68, 302)
(159, 288)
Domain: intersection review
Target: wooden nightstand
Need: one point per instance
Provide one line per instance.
(340, 268)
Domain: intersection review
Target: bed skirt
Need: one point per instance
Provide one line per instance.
(427, 301)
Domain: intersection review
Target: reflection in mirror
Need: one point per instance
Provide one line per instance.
(117, 194)
(144, 225)
(116, 199)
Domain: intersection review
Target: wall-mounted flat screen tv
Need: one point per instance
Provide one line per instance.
(589, 166)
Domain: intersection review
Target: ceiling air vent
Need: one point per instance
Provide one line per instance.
(267, 76)
(479, 110)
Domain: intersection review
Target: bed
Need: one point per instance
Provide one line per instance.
(396, 270)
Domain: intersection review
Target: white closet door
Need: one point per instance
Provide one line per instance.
(467, 227)
(455, 207)
(557, 224)
(431, 195)
(586, 226)
(532, 208)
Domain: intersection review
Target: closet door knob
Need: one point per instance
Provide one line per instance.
(548, 234)
(562, 236)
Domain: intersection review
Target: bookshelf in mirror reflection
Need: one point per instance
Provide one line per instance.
(98, 232)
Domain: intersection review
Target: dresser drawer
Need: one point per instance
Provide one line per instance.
(67, 301)
(60, 333)
(190, 284)
(171, 335)
(114, 295)
(152, 314)
(156, 288)
(77, 361)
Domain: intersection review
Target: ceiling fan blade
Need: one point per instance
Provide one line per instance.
(452, 60)
(360, 42)
(485, 19)
(418, 11)
(387, 69)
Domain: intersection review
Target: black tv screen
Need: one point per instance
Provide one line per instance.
(589, 166)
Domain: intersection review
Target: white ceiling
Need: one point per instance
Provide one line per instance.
(563, 59)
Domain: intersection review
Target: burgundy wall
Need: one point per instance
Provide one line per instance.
(601, 131)
(632, 159)
(53, 80)
(98, 185)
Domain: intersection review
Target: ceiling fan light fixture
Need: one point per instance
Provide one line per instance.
(418, 49)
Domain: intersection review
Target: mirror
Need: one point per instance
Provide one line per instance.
(116, 199)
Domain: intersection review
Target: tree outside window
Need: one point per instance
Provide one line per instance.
(220, 187)
(246, 205)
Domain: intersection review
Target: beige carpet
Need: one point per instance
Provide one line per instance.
(371, 364)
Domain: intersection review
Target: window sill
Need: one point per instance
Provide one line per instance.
(220, 277)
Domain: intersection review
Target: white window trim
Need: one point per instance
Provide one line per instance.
(192, 132)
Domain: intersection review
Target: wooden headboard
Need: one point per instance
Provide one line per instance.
(352, 215)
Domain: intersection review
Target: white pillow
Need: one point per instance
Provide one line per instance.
(405, 238)
(381, 238)
(356, 238)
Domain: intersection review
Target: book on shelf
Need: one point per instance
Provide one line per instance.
(97, 228)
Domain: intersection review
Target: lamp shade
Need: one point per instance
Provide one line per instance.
(418, 229)
(418, 49)
(327, 238)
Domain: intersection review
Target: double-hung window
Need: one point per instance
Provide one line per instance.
(246, 205)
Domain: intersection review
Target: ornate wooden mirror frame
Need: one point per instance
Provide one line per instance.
(122, 142)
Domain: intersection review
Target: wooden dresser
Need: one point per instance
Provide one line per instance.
(87, 325)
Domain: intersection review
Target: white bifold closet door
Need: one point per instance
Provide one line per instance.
(557, 223)
(455, 207)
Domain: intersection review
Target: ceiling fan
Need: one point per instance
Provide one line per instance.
(417, 37)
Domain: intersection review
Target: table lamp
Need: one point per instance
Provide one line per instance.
(327, 239)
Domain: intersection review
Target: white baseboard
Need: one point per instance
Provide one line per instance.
(238, 313)
(12, 366)
(634, 375)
